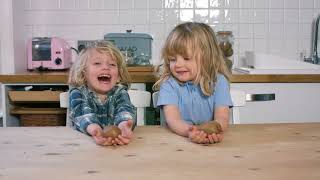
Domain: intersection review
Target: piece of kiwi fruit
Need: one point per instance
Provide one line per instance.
(111, 131)
(210, 127)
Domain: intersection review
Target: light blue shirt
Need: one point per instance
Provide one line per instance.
(194, 106)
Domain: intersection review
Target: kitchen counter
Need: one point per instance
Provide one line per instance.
(140, 74)
(146, 75)
(265, 151)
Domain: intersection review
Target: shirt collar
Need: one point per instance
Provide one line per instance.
(112, 91)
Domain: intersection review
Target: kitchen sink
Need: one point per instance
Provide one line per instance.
(259, 63)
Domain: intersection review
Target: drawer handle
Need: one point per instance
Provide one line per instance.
(260, 97)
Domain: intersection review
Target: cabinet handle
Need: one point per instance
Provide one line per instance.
(260, 97)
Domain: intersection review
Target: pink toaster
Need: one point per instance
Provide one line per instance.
(48, 53)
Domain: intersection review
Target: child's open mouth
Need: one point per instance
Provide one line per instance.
(180, 73)
(104, 78)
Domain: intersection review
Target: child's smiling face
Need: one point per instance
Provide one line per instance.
(101, 72)
(184, 68)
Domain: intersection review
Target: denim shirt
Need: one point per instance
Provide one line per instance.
(86, 108)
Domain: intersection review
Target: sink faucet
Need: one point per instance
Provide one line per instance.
(314, 58)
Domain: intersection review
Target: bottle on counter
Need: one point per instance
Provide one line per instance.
(226, 40)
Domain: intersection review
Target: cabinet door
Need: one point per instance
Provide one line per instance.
(294, 102)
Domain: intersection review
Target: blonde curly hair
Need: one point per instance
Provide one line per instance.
(76, 74)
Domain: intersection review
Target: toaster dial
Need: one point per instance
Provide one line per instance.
(58, 61)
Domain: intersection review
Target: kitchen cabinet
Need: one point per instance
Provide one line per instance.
(294, 103)
(22, 100)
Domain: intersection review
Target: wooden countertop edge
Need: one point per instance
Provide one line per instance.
(275, 78)
(149, 77)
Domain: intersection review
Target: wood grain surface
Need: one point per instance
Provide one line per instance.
(147, 75)
(250, 152)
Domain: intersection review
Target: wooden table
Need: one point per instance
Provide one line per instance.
(263, 152)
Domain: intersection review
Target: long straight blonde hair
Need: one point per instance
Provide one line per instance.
(203, 43)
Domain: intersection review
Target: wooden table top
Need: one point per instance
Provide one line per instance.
(250, 152)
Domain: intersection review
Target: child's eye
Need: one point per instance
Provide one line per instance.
(96, 63)
(186, 58)
(171, 59)
(113, 65)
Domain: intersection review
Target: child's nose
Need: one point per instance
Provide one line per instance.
(179, 62)
(106, 66)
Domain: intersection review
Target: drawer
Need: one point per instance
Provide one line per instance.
(34, 96)
(26, 110)
(293, 102)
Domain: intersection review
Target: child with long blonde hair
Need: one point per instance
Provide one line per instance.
(194, 82)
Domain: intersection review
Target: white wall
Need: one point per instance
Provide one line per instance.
(6, 37)
(19, 35)
(6, 43)
(281, 27)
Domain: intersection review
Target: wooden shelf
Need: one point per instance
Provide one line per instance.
(34, 96)
(24, 110)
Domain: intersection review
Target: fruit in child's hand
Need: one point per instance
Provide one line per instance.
(111, 131)
(210, 127)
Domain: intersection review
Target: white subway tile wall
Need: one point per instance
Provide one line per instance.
(281, 27)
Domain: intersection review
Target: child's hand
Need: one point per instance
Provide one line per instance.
(126, 133)
(215, 138)
(197, 136)
(218, 135)
(96, 132)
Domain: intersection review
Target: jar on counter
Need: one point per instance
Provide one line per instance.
(226, 40)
